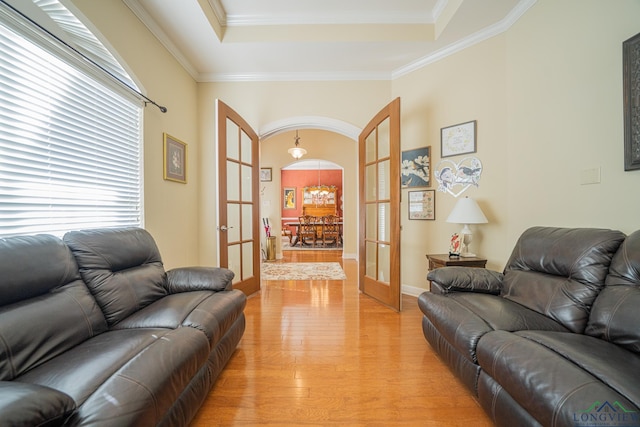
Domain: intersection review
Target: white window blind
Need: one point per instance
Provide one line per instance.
(69, 145)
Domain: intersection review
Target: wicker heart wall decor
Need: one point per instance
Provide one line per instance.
(456, 178)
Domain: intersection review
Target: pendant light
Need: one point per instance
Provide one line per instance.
(297, 152)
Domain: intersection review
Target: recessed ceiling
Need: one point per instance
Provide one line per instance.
(266, 40)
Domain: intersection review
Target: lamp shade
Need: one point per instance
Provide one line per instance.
(467, 211)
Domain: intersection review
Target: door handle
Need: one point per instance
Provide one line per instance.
(224, 228)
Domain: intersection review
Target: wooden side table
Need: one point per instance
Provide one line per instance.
(443, 260)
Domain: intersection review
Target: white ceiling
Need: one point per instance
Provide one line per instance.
(267, 40)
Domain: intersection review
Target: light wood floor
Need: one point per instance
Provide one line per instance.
(320, 353)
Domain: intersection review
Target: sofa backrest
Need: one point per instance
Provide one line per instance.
(122, 268)
(615, 314)
(559, 272)
(45, 307)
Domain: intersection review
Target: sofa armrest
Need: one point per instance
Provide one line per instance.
(186, 279)
(23, 404)
(467, 279)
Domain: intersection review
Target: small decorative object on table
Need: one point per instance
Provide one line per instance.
(454, 246)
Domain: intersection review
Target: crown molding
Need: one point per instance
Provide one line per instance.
(150, 23)
(293, 77)
(467, 42)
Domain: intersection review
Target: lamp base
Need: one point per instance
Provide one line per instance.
(467, 255)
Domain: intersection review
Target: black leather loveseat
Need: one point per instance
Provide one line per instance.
(552, 341)
(93, 331)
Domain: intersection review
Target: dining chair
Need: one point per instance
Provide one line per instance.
(331, 230)
(307, 229)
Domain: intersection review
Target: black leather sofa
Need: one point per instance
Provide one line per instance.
(554, 340)
(93, 331)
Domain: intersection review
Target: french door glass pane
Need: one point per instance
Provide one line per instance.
(247, 259)
(370, 269)
(246, 183)
(384, 179)
(384, 263)
(233, 149)
(384, 221)
(370, 183)
(233, 222)
(245, 144)
(371, 221)
(370, 147)
(233, 256)
(384, 136)
(233, 179)
(247, 222)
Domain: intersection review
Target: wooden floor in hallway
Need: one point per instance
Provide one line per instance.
(320, 353)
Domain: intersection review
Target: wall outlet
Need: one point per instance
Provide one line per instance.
(590, 176)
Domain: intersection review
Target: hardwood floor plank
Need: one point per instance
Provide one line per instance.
(321, 353)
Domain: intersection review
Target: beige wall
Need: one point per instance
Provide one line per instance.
(547, 95)
(565, 114)
(463, 87)
(171, 209)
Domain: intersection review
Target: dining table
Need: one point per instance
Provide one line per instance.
(294, 238)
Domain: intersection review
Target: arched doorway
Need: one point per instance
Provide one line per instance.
(321, 144)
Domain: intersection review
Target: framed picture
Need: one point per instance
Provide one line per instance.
(422, 204)
(289, 198)
(458, 139)
(265, 174)
(175, 159)
(631, 96)
(416, 168)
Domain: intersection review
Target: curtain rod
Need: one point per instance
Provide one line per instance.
(144, 98)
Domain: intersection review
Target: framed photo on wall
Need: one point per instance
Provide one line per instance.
(175, 159)
(265, 174)
(289, 197)
(631, 95)
(458, 139)
(422, 204)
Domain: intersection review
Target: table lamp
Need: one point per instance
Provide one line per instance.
(466, 211)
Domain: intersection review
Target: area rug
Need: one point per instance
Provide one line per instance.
(302, 271)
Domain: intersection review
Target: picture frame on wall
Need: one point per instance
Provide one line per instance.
(458, 139)
(289, 198)
(175, 159)
(265, 174)
(416, 168)
(422, 204)
(631, 96)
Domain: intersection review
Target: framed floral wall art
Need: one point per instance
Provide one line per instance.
(175, 159)
(416, 168)
(458, 139)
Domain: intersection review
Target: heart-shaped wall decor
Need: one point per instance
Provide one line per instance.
(456, 178)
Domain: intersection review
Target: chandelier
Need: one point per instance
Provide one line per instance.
(297, 152)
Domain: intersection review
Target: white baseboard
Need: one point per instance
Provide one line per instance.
(413, 291)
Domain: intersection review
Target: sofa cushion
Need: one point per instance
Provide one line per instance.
(122, 268)
(463, 318)
(614, 316)
(558, 377)
(126, 377)
(45, 309)
(33, 405)
(559, 271)
(213, 313)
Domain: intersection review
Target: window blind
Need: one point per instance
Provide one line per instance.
(70, 151)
